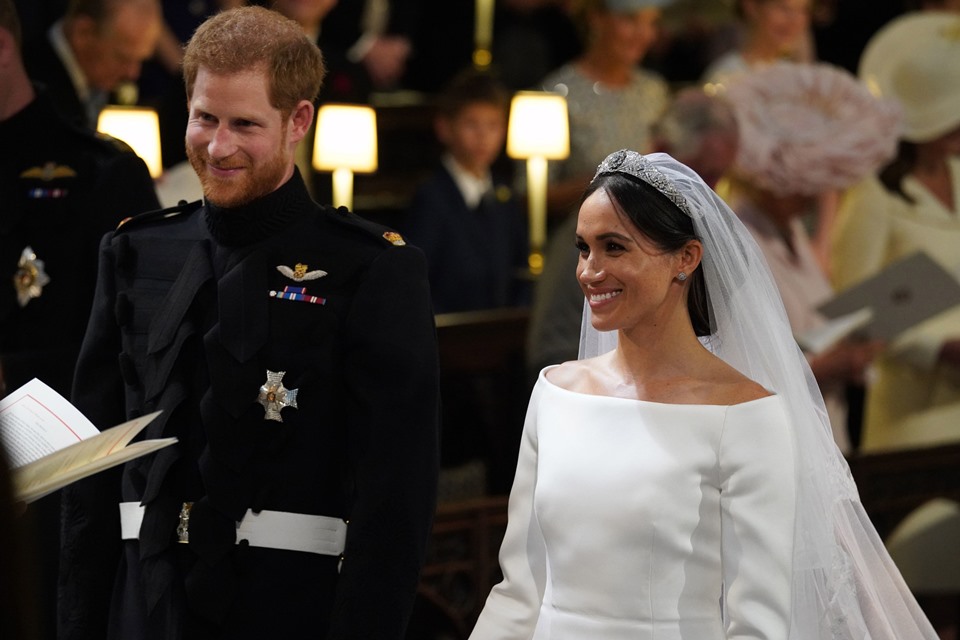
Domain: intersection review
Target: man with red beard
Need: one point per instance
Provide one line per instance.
(291, 350)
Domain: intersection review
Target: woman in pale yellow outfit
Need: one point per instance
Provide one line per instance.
(914, 205)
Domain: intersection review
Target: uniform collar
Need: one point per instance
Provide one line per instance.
(262, 218)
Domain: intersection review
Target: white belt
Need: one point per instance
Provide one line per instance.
(270, 529)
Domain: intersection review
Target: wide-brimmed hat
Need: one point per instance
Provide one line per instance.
(809, 128)
(915, 59)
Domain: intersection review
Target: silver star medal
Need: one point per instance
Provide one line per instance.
(30, 277)
(299, 272)
(275, 397)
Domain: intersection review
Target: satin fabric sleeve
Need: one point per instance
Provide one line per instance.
(513, 606)
(758, 485)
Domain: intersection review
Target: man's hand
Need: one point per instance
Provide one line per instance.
(386, 60)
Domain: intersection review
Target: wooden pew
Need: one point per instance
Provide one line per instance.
(461, 568)
(462, 564)
(895, 483)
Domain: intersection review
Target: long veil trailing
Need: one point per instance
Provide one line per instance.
(845, 586)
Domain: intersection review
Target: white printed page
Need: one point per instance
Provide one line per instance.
(35, 421)
(107, 449)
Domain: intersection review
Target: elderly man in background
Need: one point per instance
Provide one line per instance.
(94, 49)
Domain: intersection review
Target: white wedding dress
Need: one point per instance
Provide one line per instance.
(639, 520)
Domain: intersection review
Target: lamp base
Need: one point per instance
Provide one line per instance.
(535, 262)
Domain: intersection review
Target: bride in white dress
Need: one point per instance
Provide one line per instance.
(680, 481)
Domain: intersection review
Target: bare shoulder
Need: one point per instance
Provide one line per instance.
(591, 376)
(741, 392)
(730, 387)
(709, 381)
(574, 375)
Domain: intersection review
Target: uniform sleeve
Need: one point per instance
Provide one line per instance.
(758, 502)
(859, 245)
(513, 606)
(90, 527)
(125, 189)
(391, 376)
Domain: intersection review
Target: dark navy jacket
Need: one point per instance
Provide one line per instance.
(477, 257)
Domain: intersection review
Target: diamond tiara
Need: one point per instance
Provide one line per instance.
(636, 165)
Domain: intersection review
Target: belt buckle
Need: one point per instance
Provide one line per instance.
(183, 527)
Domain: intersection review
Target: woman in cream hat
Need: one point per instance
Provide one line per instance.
(912, 205)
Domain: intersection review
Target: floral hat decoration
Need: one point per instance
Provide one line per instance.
(809, 128)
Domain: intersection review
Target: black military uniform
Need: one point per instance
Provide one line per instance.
(61, 188)
(44, 66)
(203, 306)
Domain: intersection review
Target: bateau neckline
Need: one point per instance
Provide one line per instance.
(654, 403)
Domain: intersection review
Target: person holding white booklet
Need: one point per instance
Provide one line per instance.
(50, 444)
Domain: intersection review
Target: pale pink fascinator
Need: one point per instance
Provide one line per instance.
(809, 128)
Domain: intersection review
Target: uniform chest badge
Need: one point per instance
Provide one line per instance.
(300, 272)
(275, 397)
(30, 277)
(297, 293)
(394, 238)
(49, 171)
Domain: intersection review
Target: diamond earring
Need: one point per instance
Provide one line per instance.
(681, 276)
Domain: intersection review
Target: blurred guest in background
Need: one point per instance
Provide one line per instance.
(97, 46)
(368, 44)
(772, 30)
(913, 204)
(465, 219)
(806, 129)
(611, 101)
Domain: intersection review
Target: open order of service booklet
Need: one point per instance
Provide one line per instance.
(902, 295)
(50, 443)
